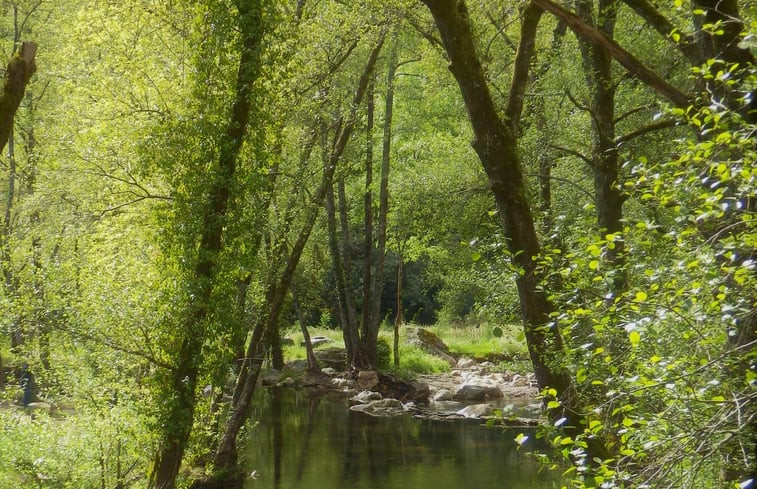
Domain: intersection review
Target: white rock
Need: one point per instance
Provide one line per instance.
(466, 363)
(442, 395)
(365, 397)
(476, 411)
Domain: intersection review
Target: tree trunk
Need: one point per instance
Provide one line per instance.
(377, 286)
(345, 250)
(597, 64)
(18, 73)
(177, 420)
(496, 145)
(626, 59)
(226, 454)
(11, 285)
(312, 359)
(349, 328)
(368, 213)
(398, 318)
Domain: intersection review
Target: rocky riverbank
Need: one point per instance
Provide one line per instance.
(470, 390)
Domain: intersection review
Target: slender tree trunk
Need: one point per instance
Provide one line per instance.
(377, 286)
(368, 212)
(349, 328)
(277, 353)
(345, 250)
(597, 63)
(398, 318)
(311, 358)
(180, 409)
(496, 145)
(225, 457)
(11, 286)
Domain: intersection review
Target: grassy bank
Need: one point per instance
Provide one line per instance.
(499, 345)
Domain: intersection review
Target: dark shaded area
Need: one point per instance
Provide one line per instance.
(419, 289)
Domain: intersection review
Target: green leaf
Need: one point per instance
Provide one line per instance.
(634, 337)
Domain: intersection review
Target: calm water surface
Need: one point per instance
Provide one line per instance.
(317, 443)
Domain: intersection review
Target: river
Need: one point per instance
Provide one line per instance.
(301, 442)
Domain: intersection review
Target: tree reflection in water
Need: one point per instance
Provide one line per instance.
(298, 441)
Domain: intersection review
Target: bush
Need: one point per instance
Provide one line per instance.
(383, 354)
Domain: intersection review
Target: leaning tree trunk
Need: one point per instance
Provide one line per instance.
(496, 145)
(310, 354)
(181, 404)
(226, 454)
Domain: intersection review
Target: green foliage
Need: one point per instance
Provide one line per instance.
(69, 449)
(414, 361)
(117, 143)
(481, 342)
(664, 366)
(383, 354)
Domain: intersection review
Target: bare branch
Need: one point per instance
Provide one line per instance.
(573, 152)
(645, 130)
(632, 112)
(565, 180)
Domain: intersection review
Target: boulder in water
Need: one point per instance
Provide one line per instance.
(365, 397)
(476, 411)
(382, 407)
(477, 392)
(442, 395)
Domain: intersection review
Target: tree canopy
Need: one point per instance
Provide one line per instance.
(183, 180)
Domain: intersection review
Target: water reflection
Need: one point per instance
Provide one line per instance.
(314, 443)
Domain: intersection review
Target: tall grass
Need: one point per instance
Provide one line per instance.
(481, 342)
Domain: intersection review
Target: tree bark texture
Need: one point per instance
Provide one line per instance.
(398, 318)
(597, 64)
(496, 145)
(687, 44)
(181, 402)
(349, 327)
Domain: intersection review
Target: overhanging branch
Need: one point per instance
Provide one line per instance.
(626, 59)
